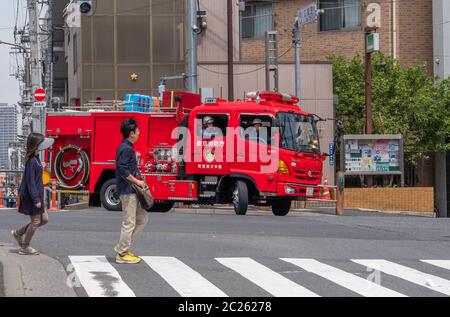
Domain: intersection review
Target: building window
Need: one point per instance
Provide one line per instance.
(340, 14)
(257, 19)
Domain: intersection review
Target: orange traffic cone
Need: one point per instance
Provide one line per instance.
(326, 191)
(54, 204)
(1, 198)
(1, 192)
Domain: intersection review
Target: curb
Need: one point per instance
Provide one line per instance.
(396, 212)
(77, 206)
(33, 276)
(298, 212)
(2, 283)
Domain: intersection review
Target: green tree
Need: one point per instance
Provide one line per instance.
(405, 101)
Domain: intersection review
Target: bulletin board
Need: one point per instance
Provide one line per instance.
(372, 155)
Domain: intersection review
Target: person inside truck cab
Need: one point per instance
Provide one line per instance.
(258, 132)
(209, 128)
(254, 130)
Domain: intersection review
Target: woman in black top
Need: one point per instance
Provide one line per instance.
(31, 193)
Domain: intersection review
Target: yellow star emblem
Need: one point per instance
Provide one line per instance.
(134, 77)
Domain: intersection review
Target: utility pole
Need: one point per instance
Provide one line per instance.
(35, 65)
(230, 50)
(297, 43)
(191, 37)
(49, 55)
(368, 85)
(272, 59)
(305, 16)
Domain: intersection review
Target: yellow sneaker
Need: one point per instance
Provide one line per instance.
(127, 258)
(132, 254)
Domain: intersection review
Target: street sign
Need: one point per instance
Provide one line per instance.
(332, 152)
(307, 15)
(40, 104)
(40, 94)
(331, 148)
(373, 42)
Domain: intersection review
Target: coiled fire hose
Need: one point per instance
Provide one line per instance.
(84, 167)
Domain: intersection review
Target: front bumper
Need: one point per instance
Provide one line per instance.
(299, 190)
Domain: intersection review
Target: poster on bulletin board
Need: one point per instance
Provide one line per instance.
(372, 154)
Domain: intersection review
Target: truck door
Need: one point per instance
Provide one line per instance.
(254, 141)
(255, 155)
(209, 150)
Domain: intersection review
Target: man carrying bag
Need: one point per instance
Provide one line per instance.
(130, 187)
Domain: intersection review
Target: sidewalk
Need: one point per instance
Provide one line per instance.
(31, 276)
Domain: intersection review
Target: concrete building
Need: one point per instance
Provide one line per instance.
(59, 71)
(8, 133)
(441, 23)
(405, 27)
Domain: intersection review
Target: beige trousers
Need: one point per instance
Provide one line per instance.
(134, 220)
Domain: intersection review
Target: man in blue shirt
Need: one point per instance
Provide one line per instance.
(127, 171)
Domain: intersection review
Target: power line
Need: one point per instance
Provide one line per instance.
(442, 23)
(244, 73)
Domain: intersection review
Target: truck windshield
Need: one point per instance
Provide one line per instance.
(298, 133)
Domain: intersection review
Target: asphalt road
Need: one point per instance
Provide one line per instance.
(306, 254)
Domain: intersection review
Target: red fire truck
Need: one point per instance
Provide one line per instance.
(180, 163)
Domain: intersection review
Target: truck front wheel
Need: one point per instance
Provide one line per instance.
(109, 196)
(162, 207)
(281, 206)
(240, 197)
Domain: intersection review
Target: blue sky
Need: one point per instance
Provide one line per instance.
(9, 86)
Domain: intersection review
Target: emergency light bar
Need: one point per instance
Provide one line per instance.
(272, 95)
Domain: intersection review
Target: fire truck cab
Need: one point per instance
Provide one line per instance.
(263, 151)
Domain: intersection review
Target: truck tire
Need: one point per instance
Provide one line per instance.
(162, 207)
(239, 197)
(109, 197)
(281, 206)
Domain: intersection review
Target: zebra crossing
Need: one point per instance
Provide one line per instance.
(100, 277)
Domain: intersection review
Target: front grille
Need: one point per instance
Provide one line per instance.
(303, 176)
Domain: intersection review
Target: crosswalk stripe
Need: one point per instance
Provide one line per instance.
(271, 281)
(429, 281)
(186, 281)
(354, 283)
(445, 264)
(99, 278)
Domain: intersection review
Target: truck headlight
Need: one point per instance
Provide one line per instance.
(289, 190)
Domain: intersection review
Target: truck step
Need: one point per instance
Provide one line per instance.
(208, 183)
(207, 195)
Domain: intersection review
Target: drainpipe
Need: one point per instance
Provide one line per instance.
(394, 29)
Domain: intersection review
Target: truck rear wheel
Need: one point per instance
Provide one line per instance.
(162, 207)
(281, 206)
(109, 196)
(240, 197)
